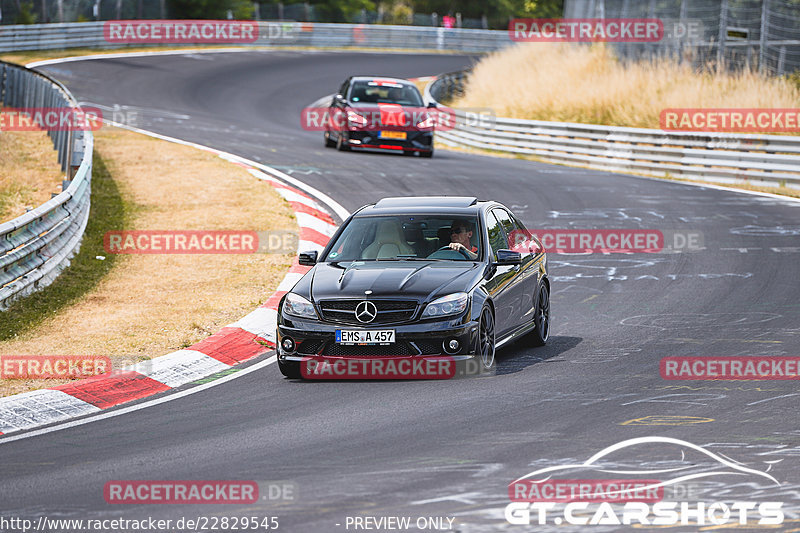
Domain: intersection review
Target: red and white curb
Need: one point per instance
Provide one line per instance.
(249, 337)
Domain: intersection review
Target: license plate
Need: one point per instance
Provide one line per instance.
(392, 135)
(359, 336)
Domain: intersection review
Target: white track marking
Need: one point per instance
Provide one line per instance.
(45, 62)
(289, 281)
(39, 407)
(143, 405)
(310, 221)
(261, 322)
(179, 368)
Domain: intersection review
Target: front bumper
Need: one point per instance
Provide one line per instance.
(417, 353)
(416, 141)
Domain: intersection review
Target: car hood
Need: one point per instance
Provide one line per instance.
(390, 114)
(397, 279)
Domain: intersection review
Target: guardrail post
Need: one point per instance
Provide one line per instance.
(762, 38)
(723, 34)
(77, 154)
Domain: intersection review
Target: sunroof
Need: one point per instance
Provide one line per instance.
(425, 201)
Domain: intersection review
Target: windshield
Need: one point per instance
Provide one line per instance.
(382, 92)
(401, 237)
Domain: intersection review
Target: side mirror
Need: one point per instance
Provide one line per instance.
(432, 105)
(309, 258)
(338, 99)
(508, 257)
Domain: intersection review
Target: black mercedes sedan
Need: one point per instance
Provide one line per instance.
(382, 115)
(416, 288)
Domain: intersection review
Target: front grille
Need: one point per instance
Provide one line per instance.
(309, 347)
(389, 311)
(398, 348)
(429, 347)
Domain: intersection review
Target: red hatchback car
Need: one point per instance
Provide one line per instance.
(380, 114)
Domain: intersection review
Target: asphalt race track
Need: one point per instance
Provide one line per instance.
(448, 449)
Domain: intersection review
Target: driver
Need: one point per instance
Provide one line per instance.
(460, 235)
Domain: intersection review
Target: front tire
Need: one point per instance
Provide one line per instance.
(328, 142)
(485, 351)
(290, 369)
(426, 154)
(542, 317)
(340, 144)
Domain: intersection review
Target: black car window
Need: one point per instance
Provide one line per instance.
(379, 92)
(497, 237)
(374, 238)
(519, 237)
(505, 220)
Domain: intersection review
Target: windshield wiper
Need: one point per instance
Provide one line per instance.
(352, 265)
(408, 258)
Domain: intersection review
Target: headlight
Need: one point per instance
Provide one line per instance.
(356, 119)
(296, 305)
(452, 304)
(429, 122)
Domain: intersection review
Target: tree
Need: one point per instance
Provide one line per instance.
(497, 11)
(25, 14)
(341, 10)
(210, 9)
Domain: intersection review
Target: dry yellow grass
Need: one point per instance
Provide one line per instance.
(584, 84)
(29, 171)
(149, 305)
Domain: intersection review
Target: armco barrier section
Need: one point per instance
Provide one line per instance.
(720, 157)
(90, 35)
(37, 246)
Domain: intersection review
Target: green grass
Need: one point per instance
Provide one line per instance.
(108, 212)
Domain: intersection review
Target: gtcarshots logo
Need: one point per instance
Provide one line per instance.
(644, 497)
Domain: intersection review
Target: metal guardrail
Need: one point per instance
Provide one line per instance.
(721, 157)
(37, 246)
(90, 35)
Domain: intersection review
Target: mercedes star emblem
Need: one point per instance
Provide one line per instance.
(366, 312)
